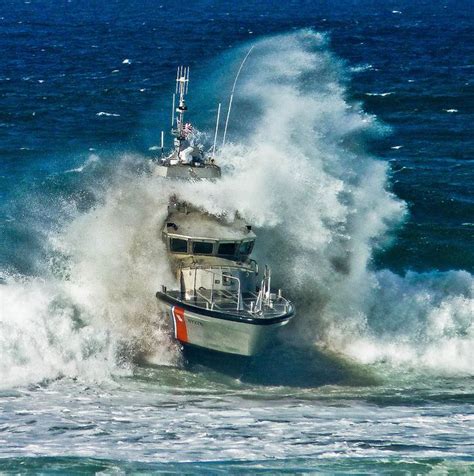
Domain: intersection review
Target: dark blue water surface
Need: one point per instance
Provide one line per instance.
(62, 64)
(84, 84)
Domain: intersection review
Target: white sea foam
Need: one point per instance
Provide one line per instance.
(108, 114)
(320, 204)
(361, 68)
(91, 160)
(40, 337)
(379, 94)
(97, 310)
(416, 321)
(323, 207)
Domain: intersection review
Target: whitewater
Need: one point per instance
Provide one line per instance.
(321, 205)
(86, 350)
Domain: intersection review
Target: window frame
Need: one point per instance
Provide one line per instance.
(171, 238)
(230, 242)
(211, 242)
(246, 243)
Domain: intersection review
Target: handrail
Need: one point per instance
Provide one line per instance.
(255, 309)
(218, 266)
(239, 294)
(265, 291)
(263, 298)
(204, 297)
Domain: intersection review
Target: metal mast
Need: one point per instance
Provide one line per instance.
(182, 82)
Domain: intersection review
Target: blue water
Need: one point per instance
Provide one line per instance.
(350, 151)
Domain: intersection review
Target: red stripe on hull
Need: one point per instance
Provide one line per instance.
(181, 333)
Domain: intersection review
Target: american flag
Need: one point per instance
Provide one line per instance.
(187, 129)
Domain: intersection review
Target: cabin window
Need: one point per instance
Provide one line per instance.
(226, 249)
(203, 247)
(246, 247)
(178, 245)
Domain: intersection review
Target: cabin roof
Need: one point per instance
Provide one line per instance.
(197, 225)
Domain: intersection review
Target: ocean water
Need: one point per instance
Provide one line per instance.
(350, 151)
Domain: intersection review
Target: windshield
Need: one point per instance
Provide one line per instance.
(226, 249)
(246, 247)
(203, 247)
(178, 245)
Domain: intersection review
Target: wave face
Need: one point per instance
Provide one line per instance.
(95, 311)
(298, 170)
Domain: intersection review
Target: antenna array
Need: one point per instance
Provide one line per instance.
(182, 80)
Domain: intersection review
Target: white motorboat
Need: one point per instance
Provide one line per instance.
(220, 303)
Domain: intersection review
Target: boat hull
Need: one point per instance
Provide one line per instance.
(222, 334)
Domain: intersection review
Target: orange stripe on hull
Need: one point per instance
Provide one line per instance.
(180, 331)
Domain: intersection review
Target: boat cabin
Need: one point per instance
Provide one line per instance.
(210, 255)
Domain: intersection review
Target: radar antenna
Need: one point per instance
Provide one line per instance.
(182, 82)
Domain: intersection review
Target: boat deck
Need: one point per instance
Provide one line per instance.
(228, 302)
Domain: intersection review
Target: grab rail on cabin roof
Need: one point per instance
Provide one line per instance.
(242, 267)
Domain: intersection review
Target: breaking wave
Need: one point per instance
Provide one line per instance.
(297, 169)
(95, 311)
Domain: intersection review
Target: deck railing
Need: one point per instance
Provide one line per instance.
(264, 298)
(223, 275)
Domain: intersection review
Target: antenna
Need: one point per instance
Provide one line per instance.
(217, 128)
(182, 82)
(173, 109)
(232, 93)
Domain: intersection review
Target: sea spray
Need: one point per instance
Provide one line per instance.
(323, 206)
(418, 321)
(297, 170)
(43, 337)
(116, 261)
(94, 312)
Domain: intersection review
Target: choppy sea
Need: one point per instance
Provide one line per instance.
(350, 151)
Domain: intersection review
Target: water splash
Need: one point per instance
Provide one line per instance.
(297, 170)
(95, 311)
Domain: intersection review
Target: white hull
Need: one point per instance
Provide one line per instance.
(240, 338)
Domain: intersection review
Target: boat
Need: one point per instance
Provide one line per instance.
(220, 303)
